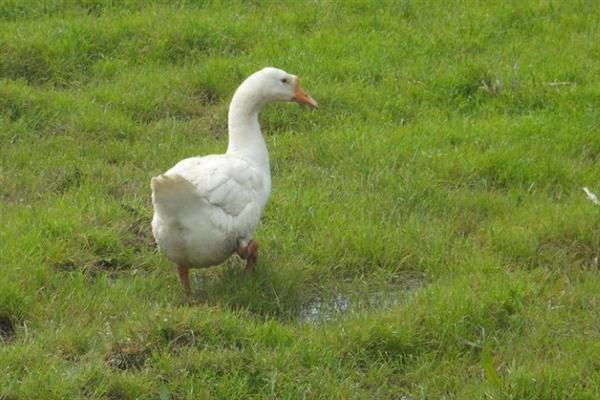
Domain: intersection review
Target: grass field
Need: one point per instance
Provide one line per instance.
(427, 236)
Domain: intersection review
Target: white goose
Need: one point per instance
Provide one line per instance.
(207, 208)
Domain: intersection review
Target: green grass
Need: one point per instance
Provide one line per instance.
(427, 235)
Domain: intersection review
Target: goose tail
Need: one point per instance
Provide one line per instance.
(173, 192)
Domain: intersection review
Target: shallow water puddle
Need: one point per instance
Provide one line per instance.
(324, 308)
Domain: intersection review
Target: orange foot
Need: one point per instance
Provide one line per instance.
(184, 277)
(250, 254)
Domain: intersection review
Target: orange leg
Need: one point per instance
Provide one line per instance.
(184, 277)
(250, 254)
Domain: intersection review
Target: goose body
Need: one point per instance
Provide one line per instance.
(207, 208)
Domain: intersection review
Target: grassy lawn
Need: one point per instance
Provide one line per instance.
(427, 235)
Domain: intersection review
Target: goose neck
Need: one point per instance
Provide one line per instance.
(245, 136)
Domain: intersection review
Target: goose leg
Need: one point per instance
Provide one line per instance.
(250, 254)
(184, 277)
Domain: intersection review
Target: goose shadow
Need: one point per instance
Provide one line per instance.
(291, 294)
(269, 292)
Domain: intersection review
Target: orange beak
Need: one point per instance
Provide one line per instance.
(300, 96)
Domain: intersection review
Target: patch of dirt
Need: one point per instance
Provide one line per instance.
(128, 356)
(93, 268)
(176, 340)
(64, 179)
(7, 328)
(115, 393)
(108, 264)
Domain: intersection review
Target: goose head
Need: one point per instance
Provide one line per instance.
(274, 84)
(262, 87)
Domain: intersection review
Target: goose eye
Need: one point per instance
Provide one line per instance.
(284, 80)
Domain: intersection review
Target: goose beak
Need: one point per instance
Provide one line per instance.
(300, 96)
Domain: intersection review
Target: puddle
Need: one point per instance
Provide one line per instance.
(326, 308)
(322, 310)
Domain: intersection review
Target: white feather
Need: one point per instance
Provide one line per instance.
(593, 198)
